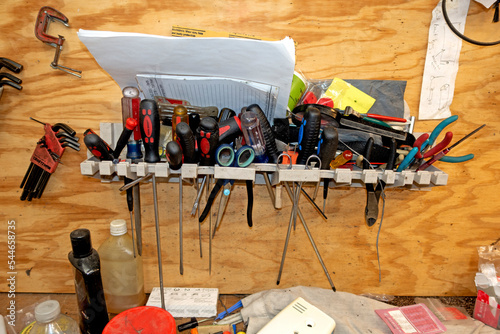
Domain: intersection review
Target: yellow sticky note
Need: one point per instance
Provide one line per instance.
(345, 95)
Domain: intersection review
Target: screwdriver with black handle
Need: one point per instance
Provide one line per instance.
(326, 151)
(187, 140)
(174, 157)
(270, 143)
(207, 137)
(150, 133)
(308, 134)
(127, 131)
(97, 146)
(193, 323)
(130, 125)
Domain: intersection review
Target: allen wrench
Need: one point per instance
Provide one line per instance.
(7, 78)
(45, 16)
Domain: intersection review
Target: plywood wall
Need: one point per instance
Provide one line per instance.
(428, 239)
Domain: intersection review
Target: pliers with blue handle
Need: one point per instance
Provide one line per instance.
(433, 136)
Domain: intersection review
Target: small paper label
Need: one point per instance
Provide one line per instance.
(187, 302)
(401, 320)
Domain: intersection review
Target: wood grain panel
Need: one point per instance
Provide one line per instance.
(428, 239)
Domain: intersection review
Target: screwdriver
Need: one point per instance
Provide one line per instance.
(130, 107)
(270, 144)
(127, 131)
(326, 152)
(150, 133)
(97, 146)
(446, 150)
(193, 323)
(130, 205)
(207, 136)
(186, 139)
(174, 157)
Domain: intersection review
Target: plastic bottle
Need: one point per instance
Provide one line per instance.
(122, 273)
(93, 314)
(49, 320)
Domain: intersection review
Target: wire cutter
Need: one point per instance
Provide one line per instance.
(225, 156)
(373, 192)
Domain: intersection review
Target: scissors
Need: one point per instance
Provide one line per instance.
(226, 156)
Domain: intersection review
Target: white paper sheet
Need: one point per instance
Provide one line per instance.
(124, 55)
(486, 3)
(210, 91)
(441, 62)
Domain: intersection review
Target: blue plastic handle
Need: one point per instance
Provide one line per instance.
(229, 310)
(457, 159)
(437, 130)
(407, 160)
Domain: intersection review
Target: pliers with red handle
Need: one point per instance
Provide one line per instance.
(429, 150)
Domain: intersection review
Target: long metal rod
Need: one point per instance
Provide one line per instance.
(289, 231)
(136, 191)
(136, 181)
(197, 186)
(132, 232)
(296, 204)
(209, 231)
(158, 242)
(269, 188)
(313, 203)
(312, 241)
(200, 191)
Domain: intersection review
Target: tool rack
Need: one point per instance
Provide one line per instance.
(108, 171)
(342, 177)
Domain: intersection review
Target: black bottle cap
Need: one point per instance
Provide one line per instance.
(80, 242)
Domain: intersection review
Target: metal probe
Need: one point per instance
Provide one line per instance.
(289, 191)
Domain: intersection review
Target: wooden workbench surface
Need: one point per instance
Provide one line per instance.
(428, 239)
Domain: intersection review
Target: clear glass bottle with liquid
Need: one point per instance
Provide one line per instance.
(49, 320)
(121, 270)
